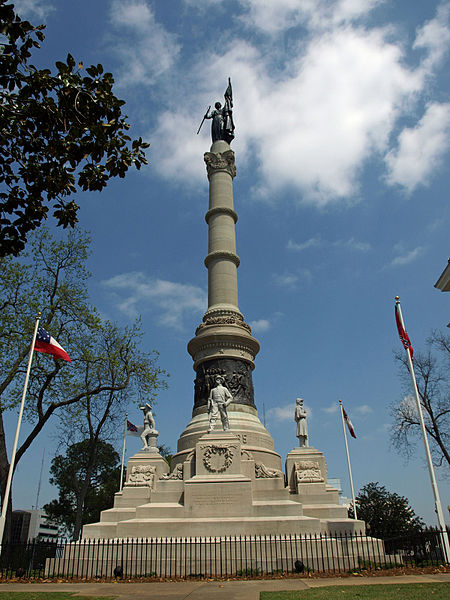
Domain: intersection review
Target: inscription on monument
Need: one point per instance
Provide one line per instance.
(206, 499)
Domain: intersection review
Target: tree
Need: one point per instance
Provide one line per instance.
(70, 473)
(386, 514)
(106, 360)
(432, 369)
(58, 131)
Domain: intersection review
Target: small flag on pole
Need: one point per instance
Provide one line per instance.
(134, 430)
(131, 427)
(349, 424)
(48, 345)
(404, 337)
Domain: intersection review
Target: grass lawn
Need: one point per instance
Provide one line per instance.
(48, 596)
(404, 591)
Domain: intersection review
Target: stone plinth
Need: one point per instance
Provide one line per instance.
(306, 473)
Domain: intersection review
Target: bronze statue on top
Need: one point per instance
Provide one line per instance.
(222, 126)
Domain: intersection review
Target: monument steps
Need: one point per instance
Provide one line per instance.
(322, 511)
(162, 509)
(112, 515)
(225, 526)
(283, 508)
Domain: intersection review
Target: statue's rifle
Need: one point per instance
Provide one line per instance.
(203, 120)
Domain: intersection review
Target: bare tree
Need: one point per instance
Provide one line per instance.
(432, 369)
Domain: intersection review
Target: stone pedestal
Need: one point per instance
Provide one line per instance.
(306, 473)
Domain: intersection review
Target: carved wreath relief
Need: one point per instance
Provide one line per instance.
(217, 459)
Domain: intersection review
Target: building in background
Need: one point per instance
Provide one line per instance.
(443, 283)
(33, 524)
(336, 483)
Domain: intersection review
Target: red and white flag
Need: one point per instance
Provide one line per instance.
(349, 423)
(404, 337)
(47, 344)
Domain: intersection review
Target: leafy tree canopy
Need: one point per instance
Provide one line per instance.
(59, 131)
(68, 473)
(108, 367)
(386, 514)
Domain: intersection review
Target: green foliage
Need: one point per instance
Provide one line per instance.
(108, 366)
(432, 370)
(386, 514)
(59, 131)
(69, 474)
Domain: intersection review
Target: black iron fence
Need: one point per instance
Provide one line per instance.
(217, 557)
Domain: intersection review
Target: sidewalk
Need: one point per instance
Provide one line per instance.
(200, 590)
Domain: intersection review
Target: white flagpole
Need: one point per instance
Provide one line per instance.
(437, 500)
(348, 460)
(123, 452)
(16, 438)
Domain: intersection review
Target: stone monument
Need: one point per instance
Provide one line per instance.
(230, 482)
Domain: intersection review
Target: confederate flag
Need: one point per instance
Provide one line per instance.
(349, 423)
(404, 337)
(47, 344)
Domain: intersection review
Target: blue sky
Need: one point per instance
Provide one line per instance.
(342, 117)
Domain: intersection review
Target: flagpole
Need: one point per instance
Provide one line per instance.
(348, 460)
(123, 452)
(437, 500)
(16, 438)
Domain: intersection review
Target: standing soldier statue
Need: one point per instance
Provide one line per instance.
(219, 399)
(302, 428)
(222, 126)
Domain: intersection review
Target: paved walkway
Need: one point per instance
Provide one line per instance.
(211, 590)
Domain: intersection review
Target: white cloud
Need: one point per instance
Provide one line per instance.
(282, 413)
(333, 408)
(290, 280)
(274, 17)
(137, 292)
(286, 280)
(286, 412)
(312, 242)
(405, 257)
(364, 409)
(434, 37)
(153, 51)
(260, 325)
(353, 244)
(39, 8)
(311, 114)
(421, 149)
(309, 127)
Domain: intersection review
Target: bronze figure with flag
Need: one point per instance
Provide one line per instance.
(222, 126)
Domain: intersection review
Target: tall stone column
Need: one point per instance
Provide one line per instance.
(223, 343)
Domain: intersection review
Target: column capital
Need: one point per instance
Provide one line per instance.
(220, 161)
